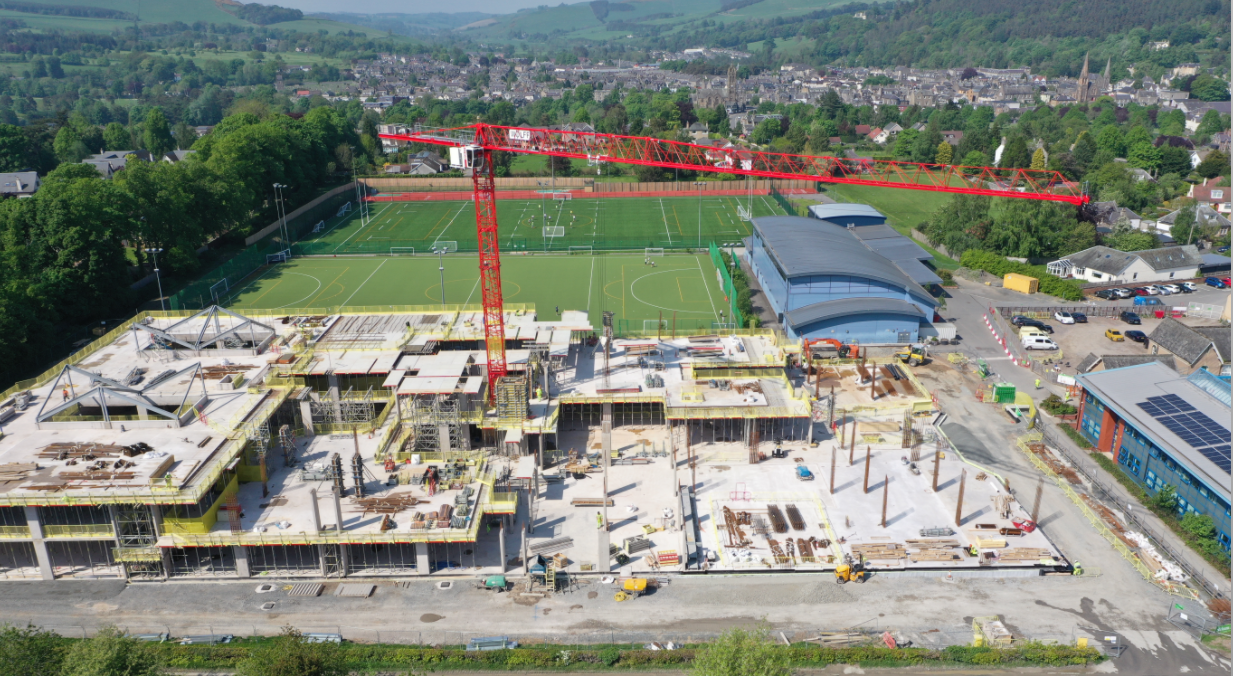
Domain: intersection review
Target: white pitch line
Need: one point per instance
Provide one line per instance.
(447, 225)
(357, 289)
(590, 285)
(708, 289)
(665, 213)
(477, 281)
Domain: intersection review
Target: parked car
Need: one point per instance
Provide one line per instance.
(1124, 293)
(1137, 336)
(1079, 317)
(1171, 288)
(1036, 324)
(1215, 281)
(1130, 318)
(1038, 343)
(1141, 291)
(1114, 335)
(1152, 290)
(1227, 282)
(1189, 287)
(1106, 294)
(1223, 249)
(1064, 317)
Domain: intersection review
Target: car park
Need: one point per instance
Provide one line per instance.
(1114, 335)
(1130, 318)
(1215, 281)
(1137, 336)
(1064, 317)
(1079, 317)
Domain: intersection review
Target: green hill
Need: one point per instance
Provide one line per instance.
(608, 19)
(64, 12)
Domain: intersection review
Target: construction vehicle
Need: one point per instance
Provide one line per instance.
(913, 355)
(843, 350)
(850, 572)
(632, 588)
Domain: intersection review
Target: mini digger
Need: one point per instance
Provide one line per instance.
(913, 355)
(850, 572)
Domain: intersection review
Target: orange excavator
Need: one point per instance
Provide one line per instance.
(823, 345)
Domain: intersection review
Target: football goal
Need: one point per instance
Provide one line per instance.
(344, 209)
(402, 251)
(580, 251)
(447, 246)
(562, 196)
(278, 257)
(554, 231)
(742, 212)
(218, 290)
(654, 325)
(722, 326)
(319, 227)
(656, 251)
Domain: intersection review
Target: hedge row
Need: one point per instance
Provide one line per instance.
(1066, 289)
(381, 656)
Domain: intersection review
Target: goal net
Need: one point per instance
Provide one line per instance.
(722, 326)
(654, 251)
(447, 246)
(554, 231)
(278, 257)
(580, 251)
(742, 212)
(218, 290)
(562, 196)
(319, 227)
(654, 325)
(344, 209)
(402, 251)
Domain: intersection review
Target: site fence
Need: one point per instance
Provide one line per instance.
(725, 282)
(1092, 475)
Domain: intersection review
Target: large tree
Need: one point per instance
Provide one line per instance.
(157, 134)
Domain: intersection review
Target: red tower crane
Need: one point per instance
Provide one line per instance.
(472, 147)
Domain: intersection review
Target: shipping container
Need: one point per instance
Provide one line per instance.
(1020, 283)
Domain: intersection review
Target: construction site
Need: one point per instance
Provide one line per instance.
(220, 445)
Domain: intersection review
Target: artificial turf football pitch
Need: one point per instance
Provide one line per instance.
(545, 224)
(386, 259)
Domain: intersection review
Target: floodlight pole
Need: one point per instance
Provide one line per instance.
(699, 184)
(441, 269)
(157, 277)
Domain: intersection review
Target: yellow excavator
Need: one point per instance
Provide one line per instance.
(913, 355)
(850, 572)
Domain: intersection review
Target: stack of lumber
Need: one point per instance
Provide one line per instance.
(931, 550)
(66, 451)
(987, 542)
(1024, 555)
(388, 504)
(879, 550)
(219, 372)
(17, 471)
(590, 502)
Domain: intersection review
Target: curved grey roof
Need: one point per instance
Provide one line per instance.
(844, 307)
(804, 247)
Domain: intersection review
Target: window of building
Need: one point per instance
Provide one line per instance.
(1171, 275)
(1217, 194)
(1182, 505)
(1223, 539)
(1135, 276)
(1129, 461)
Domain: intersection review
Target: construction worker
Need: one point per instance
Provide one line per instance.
(1038, 383)
(1078, 569)
(539, 393)
(973, 551)
(599, 520)
(66, 394)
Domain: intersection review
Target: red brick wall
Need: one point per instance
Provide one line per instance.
(1108, 430)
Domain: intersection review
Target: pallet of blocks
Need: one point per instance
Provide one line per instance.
(1025, 555)
(931, 550)
(879, 551)
(986, 542)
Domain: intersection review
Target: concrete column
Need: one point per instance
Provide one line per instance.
(306, 412)
(156, 517)
(343, 560)
(334, 395)
(501, 537)
(422, 563)
(312, 492)
(40, 545)
(338, 517)
(443, 431)
(241, 562)
(321, 559)
(115, 529)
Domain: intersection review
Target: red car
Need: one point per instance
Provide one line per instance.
(1140, 291)
(1227, 284)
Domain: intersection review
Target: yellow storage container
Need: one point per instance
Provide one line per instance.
(1020, 283)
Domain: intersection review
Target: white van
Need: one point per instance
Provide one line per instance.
(1038, 343)
(1031, 331)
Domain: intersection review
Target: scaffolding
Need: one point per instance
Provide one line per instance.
(437, 427)
(512, 399)
(350, 409)
(137, 542)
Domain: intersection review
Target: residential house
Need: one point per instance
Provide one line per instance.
(1110, 266)
(19, 183)
(1212, 195)
(1197, 347)
(109, 162)
(952, 137)
(698, 130)
(175, 156)
(863, 129)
